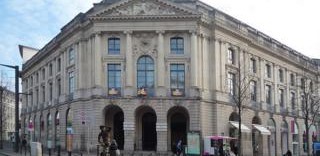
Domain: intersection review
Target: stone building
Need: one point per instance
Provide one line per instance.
(154, 70)
(7, 109)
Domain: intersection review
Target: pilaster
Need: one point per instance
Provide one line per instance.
(129, 65)
(161, 91)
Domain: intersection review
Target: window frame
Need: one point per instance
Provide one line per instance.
(177, 69)
(268, 93)
(146, 67)
(177, 45)
(231, 56)
(114, 45)
(115, 75)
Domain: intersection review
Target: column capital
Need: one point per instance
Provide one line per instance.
(194, 32)
(160, 31)
(98, 33)
(128, 32)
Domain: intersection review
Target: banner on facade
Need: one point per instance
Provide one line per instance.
(193, 139)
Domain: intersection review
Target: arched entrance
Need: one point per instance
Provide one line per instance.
(178, 123)
(234, 132)
(114, 118)
(272, 137)
(146, 133)
(256, 138)
(295, 138)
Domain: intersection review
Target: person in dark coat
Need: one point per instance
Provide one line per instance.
(288, 153)
(113, 148)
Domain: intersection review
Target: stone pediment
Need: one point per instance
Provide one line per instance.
(136, 8)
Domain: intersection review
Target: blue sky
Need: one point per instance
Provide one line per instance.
(35, 22)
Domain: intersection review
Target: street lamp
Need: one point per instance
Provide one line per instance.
(16, 115)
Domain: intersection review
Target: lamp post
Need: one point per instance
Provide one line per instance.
(16, 133)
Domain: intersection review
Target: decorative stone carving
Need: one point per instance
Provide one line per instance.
(144, 7)
(145, 44)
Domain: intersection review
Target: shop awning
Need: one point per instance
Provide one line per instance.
(263, 130)
(244, 128)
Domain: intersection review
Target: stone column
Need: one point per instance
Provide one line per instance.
(129, 65)
(205, 64)
(275, 88)
(161, 91)
(97, 60)
(194, 64)
(79, 64)
(216, 66)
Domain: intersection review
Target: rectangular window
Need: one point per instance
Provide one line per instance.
(268, 94)
(292, 101)
(303, 102)
(71, 82)
(50, 69)
(114, 79)
(50, 91)
(114, 45)
(268, 71)
(43, 74)
(281, 75)
(292, 80)
(281, 98)
(37, 96)
(59, 87)
(71, 54)
(302, 83)
(253, 65)
(43, 93)
(253, 90)
(177, 79)
(177, 45)
(59, 65)
(231, 56)
(231, 83)
(31, 81)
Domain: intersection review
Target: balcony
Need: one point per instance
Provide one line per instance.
(142, 92)
(270, 108)
(255, 105)
(114, 91)
(283, 110)
(177, 92)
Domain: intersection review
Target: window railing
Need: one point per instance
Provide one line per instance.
(142, 92)
(114, 91)
(177, 92)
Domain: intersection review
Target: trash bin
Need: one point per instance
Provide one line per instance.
(36, 149)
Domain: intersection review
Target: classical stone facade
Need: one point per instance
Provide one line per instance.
(154, 70)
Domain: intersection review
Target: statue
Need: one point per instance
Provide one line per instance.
(103, 137)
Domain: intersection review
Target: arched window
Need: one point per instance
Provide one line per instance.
(177, 45)
(114, 45)
(145, 74)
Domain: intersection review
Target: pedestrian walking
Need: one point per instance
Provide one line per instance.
(179, 148)
(114, 151)
(24, 145)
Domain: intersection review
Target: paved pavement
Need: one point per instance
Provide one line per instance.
(8, 151)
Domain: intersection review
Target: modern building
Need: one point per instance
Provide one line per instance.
(154, 70)
(7, 111)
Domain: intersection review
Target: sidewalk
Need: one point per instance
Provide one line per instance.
(8, 151)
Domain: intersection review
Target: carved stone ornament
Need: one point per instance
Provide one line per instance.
(145, 7)
(145, 44)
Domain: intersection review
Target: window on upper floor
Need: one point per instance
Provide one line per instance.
(59, 64)
(114, 79)
(37, 77)
(268, 71)
(310, 87)
(145, 75)
(114, 46)
(50, 69)
(58, 87)
(231, 83)
(303, 102)
(177, 45)
(43, 73)
(292, 79)
(50, 91)
(31, 81)
(281, 98)
(302, 83)
(26, 83)
(71, 82)
(43, 93)
(231, 56)
(268, 94)
(281, 75)
(37, 96)
(292, 101)
(177, 79)
(253, 90)
(253, 65)
(71, 56)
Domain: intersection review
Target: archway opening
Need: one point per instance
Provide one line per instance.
(256, 138)
(272, 137)
(146, 134)
(149, 134)
(178, 122)
(284, 136)
(114, 118)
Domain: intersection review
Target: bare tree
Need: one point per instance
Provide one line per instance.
(310, 101)
(238, 84)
